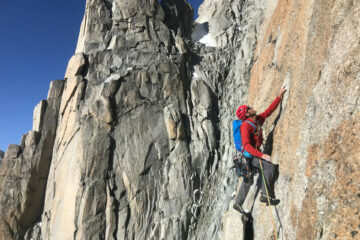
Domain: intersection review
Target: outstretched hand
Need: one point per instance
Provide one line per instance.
(282, 92)
(266, 157)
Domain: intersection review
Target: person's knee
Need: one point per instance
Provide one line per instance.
(270, 168)
(247, 183)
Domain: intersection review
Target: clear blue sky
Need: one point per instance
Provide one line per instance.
(37, 40)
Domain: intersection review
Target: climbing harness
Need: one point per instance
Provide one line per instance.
(243, 167)
(267, 195)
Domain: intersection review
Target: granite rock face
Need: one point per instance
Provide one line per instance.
(316, 139)
(136, 142)
(119, 171)
(2, 153)
(24, 171)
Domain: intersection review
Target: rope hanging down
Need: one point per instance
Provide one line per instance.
(267, 195)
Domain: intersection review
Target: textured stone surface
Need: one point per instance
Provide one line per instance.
(2, 153)
(114, 164)
(38, 114)
(34, 233)
(75, 66)
(143, 141)
(318, 61)
(23, 175)
(178, 16)
(56, 89)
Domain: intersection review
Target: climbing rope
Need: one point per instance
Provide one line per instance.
(267, 194)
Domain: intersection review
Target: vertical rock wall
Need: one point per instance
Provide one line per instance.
(312, 47)
(24, 169)
(136, 142)
(122, 166)
(2, 154)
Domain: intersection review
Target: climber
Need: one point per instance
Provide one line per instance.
(252, 140)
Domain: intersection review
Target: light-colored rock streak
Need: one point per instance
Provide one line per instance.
(60, 202)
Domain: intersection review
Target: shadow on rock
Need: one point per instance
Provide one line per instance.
(248, 228)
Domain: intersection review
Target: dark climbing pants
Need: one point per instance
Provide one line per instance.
(269, 170)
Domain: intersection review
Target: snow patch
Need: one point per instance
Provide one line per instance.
(208, 40)
(201, 34)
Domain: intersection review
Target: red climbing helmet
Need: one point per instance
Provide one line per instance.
(241, 111)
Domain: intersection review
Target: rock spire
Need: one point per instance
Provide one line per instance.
(136, 141)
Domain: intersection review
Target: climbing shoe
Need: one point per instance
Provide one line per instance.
(273, 201)
(239, 208)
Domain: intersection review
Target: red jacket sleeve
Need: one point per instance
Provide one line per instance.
(246, 131)
(262, 116)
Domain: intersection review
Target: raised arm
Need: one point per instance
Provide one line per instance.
(262, 116)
